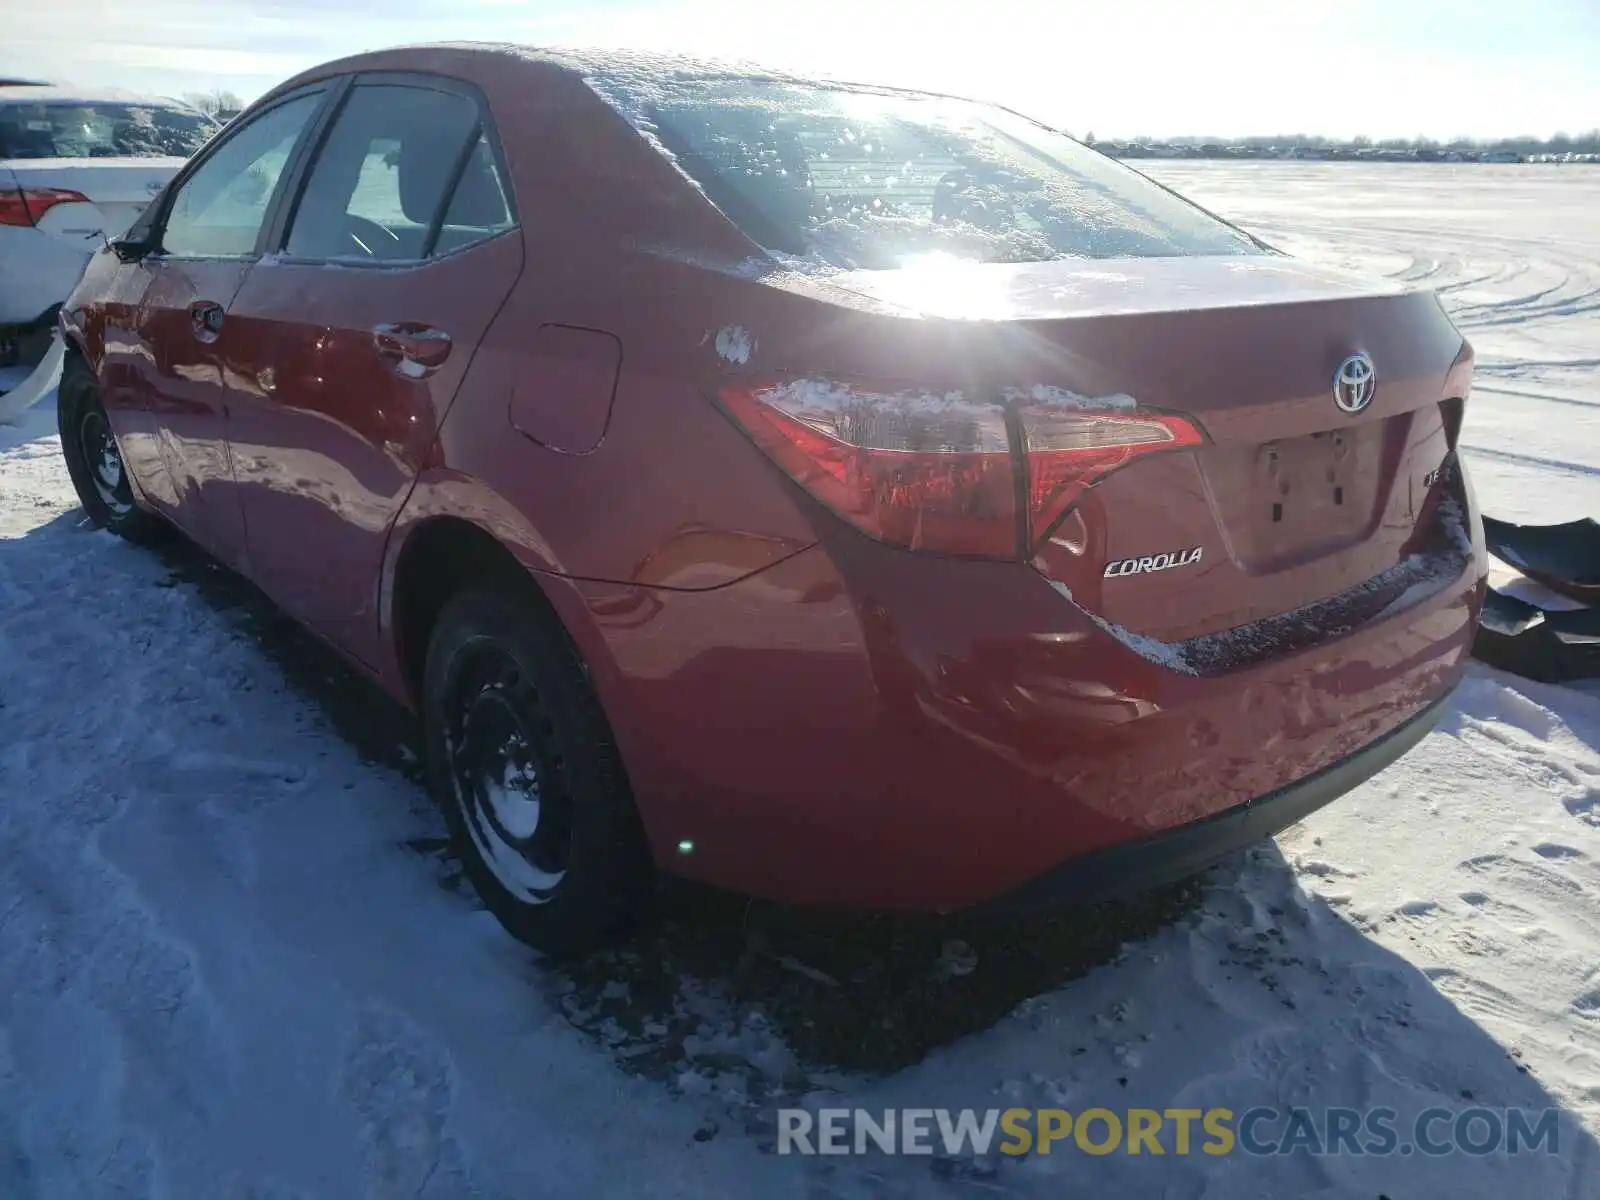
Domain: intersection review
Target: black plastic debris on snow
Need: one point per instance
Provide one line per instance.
(1564, 558)
(1549, 647)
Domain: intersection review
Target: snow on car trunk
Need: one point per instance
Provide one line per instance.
(113, 192)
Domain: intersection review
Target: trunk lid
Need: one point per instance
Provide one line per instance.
(117, 190)
(1078, 288)
(1294, 499)
(1290, 501)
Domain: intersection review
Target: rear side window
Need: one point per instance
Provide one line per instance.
(381, 187)
(479, 207)
(218, 210)
(863, 179)
(74, 129)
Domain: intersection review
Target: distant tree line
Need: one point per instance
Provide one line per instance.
(1561, 143)
(1583, 146)
(220, 103)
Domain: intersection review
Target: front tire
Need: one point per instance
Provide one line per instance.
(94, 460)
(522, 760)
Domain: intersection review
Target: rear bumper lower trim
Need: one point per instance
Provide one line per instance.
(1133, 867)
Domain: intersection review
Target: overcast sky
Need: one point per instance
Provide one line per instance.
(1443, 68)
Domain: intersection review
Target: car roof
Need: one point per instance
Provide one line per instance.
(577, 60)
(610, 71)
(614, 70)
(644, 65)
(67, 94)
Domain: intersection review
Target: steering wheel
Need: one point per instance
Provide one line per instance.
(374, 240)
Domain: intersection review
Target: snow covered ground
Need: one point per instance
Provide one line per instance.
(234, 964)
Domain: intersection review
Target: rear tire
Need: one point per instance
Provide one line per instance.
(522, 760)
(94, 460)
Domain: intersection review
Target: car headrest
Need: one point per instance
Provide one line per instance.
(426, 156)
(27, 143)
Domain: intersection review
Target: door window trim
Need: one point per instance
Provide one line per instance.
(281, 216)
(158, 223)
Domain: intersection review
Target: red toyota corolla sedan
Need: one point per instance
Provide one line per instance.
(851, 496)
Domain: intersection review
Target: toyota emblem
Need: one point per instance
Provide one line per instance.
(1355, 383)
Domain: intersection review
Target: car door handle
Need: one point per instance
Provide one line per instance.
(411, 349)
(205, 319)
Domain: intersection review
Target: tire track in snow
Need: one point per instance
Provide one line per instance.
(1542, 396)
(1531, 460)
(1555, 288)
(402, 1089)
(1493, 277)
(78, 934)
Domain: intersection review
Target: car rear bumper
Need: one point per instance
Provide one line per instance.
(40, 271)
(1133, 867)
(863, 727)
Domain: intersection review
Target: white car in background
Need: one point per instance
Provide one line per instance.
(76, 167)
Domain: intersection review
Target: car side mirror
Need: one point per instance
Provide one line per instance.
(138, 239)
(131, 248)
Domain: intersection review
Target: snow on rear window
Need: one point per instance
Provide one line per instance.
(864, 179)
(78, 129)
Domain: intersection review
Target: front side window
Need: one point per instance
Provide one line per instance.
(218, 211)
(864, 179)
(380, 187)
(78, 129)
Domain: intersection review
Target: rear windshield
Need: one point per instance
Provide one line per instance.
(862, 179)
(69, 129)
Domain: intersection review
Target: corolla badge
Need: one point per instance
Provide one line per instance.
(1152, 562)
(1355, 383)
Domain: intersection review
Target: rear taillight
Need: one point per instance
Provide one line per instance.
(938, 471)
(27, 206)
(1071, 447)
(12, 210)
(925, 470)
